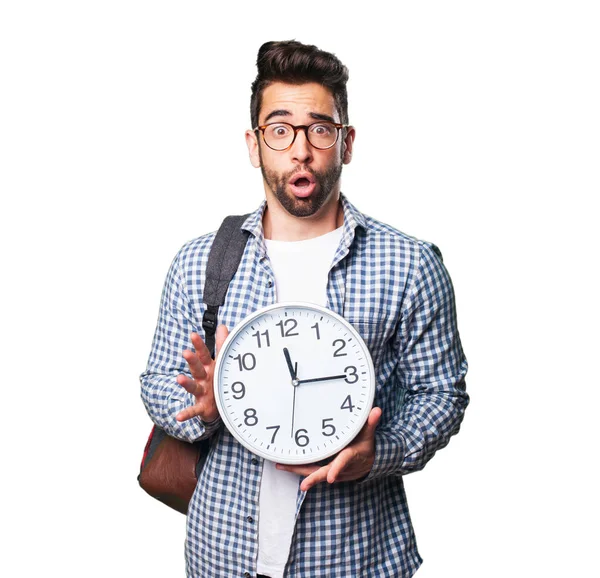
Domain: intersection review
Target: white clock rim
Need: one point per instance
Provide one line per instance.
(296, 460)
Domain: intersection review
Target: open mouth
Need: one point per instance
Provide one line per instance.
(302, 184)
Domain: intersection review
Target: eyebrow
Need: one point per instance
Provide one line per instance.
(319, 116)
(279, 112)
(314, 115)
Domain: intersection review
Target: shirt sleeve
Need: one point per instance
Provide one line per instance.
(163, 397)
(430, 375)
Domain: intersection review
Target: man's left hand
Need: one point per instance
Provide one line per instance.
(352, 463)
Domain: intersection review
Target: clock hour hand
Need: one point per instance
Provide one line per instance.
(290, 365)
(322, 378)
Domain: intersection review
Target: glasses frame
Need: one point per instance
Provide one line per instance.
(305, 128)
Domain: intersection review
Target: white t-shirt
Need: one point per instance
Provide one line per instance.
(301, 271)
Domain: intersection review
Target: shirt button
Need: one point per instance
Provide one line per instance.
(247, 574)
(254, 461)
(269, 283)
(250, 519)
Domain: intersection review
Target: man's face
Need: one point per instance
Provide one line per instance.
(302, 178)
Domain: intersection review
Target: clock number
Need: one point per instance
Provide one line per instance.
(250, 415)
(266, 334)
(329, 427)
(348, 404)
(352, 373)
(276, 428)
(301, 439)
(241, 390)
(337, 353)
(316, 328)
(288, 332)
(244, 364)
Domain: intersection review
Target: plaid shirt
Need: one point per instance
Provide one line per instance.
(396, 292)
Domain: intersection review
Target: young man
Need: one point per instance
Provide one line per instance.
(307, 242)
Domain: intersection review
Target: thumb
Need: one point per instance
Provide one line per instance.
(221, 335)
(372, 421)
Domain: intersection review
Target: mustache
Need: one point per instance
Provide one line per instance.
(301, 170)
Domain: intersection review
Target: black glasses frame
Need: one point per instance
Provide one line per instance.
(305, 128)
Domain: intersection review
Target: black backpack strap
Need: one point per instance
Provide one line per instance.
(223, 261)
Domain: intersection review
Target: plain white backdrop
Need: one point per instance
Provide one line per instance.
(122, 136)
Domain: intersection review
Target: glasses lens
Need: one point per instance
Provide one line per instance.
(322, 134)
(279, 136)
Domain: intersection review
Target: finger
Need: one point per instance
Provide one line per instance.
(305, 470)
(341, 462)
(201, 349)
(189, 384)
(222, 333)
(315, 478)
(188, 413)
(196, 367)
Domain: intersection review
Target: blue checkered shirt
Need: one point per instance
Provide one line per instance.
(396, 292)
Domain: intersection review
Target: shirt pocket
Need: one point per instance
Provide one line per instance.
(375, 335)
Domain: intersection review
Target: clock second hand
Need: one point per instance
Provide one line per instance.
(293, 411)
(294, 374)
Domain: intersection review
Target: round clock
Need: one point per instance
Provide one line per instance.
(294, 382)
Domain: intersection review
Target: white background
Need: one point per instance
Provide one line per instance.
(121, 137)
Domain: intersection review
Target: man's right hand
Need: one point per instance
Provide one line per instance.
(202, 368)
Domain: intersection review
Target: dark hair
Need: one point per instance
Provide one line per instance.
(292, 62)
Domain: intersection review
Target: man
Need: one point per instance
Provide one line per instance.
(307, 242)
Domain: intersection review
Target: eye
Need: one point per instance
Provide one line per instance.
(322, 129)
(279, 130)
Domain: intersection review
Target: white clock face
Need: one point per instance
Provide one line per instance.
(294, 383)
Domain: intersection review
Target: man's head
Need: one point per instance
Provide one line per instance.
(292, 62)
(299, 85)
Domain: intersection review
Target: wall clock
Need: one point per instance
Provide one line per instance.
(294, 382)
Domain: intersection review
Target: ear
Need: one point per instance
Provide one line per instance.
(347, 145)
(252, 143)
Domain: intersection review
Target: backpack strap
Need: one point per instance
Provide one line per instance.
(223, 261)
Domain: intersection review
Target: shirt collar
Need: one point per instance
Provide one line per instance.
(353, 218)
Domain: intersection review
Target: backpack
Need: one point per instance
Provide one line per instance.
(170, 467)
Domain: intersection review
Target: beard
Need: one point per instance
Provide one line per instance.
(302, 207)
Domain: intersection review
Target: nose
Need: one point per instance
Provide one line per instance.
(301, 148)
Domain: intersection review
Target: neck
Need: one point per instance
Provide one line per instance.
(279, 225)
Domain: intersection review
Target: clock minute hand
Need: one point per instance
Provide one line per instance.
(322, 378)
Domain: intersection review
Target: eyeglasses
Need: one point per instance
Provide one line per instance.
(280, 136)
